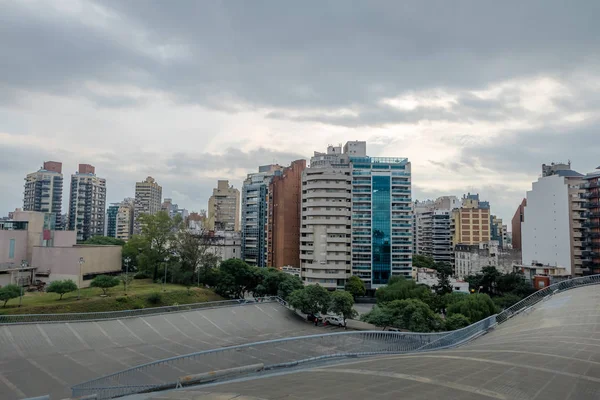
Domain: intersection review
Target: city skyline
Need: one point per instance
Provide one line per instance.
(477, 101)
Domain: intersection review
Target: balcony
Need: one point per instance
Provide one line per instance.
(592, 204)
(592, 195)
(591, 185)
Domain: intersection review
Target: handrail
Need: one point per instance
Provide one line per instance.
(12, 319)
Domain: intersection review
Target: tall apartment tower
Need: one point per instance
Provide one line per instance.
(591, 242)
(124, 221)
(422, 227)
(111, 219)
(224, 208)
(350, 196)
(44, 190)
(148, 198)
(516, 222)
(552, 230)
(326, 230)
(471, 222)
(87, 203)
(254, 214)
(283, 220)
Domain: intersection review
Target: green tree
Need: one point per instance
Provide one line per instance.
(235, 278)
(9, 292)
(355, 286)
(62, 287)
(105, 241)
(489, 280)
(420, 261)
(159, 230)
(104, 282)
(378, 316)
(506, 300)
(410, 314)
(185, 277)
(456, 321)
(400, 288)
(475, 307)
(342, 303)
(311, 299)
(126, 279)
(287, 285)
(444, 271)
(192, 250)
(137, 250)
(514, 283)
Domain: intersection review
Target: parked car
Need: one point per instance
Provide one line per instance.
(334, 320)
(312, 317)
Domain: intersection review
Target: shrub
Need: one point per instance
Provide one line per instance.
(137, 305)
(122, 299)
(9, 292)
(154, 298)
(104, 282)
(62, 287)
(141, 275)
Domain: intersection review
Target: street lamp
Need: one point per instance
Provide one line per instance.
(81, 262)
(23, 265)
(127, 259)
(165, 280)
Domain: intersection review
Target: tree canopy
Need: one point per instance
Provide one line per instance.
(105, 241)
(311, 299)
(410, 314)
(475, 307)
(9, 292)
(62, 287)
(104, 282)
(342, 303)
(355, 286)
(421, 261)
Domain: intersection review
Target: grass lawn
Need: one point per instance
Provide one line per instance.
(91, 301)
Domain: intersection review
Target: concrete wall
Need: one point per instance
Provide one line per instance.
(63, 262)
(545, 232)
(20, 252)
(65, 238)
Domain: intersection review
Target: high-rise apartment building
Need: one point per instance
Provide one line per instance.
(367, 198)
(422, 227)
(87, 203)
(432, 228)
(325, 230)
(591, 242)
(552, 229)
(284, 206)
(471, 222)
(224, 208)
(44, 190)
(124, 221)
(148, 197)
(254, 214)
(516, 222)
(497, 231)
(173, 209)
(111, 219)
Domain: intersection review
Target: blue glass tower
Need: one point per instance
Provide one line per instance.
(381, 219)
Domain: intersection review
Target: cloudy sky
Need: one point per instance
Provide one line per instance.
(477, 94)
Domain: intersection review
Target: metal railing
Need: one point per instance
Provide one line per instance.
(269, 355)
(104, 315)
(544, 294)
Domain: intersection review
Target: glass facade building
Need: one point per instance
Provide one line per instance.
(381, 219)
(111, 219)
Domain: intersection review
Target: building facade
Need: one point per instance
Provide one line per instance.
(111, 219)
(591, 242)
(254, 214)
(422, 227)
(497, 231)
(44, 191)
(441, 238)
(325, 230)
(471, 222)
(552, 229)
(225, 244)
(516, 222)
(87, 203)
(124, 220)
(224, 208)
(148, 197)
(284, 214)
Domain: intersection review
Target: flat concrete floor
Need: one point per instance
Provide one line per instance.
(40, 359)
(550, 353)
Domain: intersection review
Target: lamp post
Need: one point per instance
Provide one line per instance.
(165, 279)
(81, 262)
(23, 265)
(127, 260)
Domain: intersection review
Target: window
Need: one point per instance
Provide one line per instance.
(11, 249)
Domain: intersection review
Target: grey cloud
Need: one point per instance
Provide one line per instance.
(309, 54)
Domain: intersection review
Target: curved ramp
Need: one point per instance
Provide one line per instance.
(40, 359)
(549, 352)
